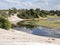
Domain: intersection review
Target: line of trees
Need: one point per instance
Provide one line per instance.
(37, 13)
(32, 13)
(29, 13)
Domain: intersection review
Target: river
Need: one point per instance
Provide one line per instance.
(41, 31)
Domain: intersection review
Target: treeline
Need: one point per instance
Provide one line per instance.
(33, 13)
(29, 13)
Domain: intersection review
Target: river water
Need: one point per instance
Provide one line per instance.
(41, 31)
(52, 19)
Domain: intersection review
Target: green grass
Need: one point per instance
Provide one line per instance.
(50, 24)
(42, 22)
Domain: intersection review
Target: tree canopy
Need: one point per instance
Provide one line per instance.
(29, 13)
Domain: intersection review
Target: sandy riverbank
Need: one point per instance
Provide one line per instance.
(13, 37)
(14, 19)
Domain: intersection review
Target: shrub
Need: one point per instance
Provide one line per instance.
(4, 23)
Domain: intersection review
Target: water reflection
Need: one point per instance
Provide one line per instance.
(51, 19)
(24, 29)
(41, 31)
(27, 23)
(29, 27)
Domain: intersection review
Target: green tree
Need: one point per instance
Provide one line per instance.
(52, 12)
(14, 10)
(43, 13)
(9, 12)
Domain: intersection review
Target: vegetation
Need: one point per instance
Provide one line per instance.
(29, 13)
(49, 24)
(4, 23)
(37, 13)
(3, 13)
(12, 11)
(41, 22)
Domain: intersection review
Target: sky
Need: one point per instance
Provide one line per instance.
(27, 4)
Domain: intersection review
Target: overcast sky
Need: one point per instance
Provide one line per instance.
(42, 4)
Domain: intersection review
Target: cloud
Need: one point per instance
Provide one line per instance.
(42, 4)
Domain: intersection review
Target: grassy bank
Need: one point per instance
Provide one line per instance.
(52, 16)
(50, 24)
(42, 22)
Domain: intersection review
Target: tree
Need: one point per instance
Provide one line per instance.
(14, 10)
(9, 12)
(57, 12)
(43, 13)
(52, 12)
(33, 13)
(37, 10)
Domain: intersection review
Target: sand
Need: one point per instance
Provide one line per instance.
(13, 37)
(14, 19)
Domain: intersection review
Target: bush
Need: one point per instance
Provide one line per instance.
(4, 23)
